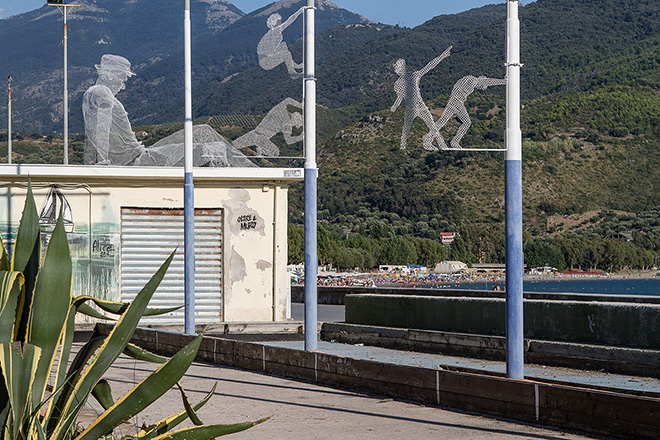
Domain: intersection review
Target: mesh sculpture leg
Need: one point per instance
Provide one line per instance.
(466, 123)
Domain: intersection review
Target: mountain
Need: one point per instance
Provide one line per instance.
(32, 54)
(224, 39)
(561, 40)
(157, 91)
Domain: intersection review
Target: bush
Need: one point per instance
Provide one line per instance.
(619, 132)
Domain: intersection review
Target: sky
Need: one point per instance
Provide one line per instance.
(409, 13)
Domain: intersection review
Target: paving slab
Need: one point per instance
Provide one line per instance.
(301, 410)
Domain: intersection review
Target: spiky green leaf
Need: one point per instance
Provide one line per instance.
(172, 421)
(103, 394)
(189, 409)
(208, 432)
(117, 308)
(12, 288)
(145, 393)
(143, 355)
(112, 347)
(50, 305)
(26, 259)
(19, 366)
(4, 260)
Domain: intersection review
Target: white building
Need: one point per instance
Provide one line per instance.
(125, 221)
(449, 267)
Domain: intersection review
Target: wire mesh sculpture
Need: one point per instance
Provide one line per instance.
(273, 51)
(463, 88)
(210, 150)
(278, 120)
(109, 138)
(407, 90)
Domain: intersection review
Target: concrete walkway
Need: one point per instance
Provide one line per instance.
(300, 410)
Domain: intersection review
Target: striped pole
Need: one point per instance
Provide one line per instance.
(513, 190)
(311, 254)
(188, 187)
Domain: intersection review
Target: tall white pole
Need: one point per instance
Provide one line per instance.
(513, 201)
(311, 254)
(189, 189)
(66, 95)
(64, 10)
(9, 150)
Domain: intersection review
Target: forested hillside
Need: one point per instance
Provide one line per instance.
(591, 129)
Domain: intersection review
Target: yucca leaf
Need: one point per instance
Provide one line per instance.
(103, 394)
(85, 309)
(112, 347)
(172, 421)
(26, 259)
(145, 393)
(63, 394)
(60, 374)
(117, 308)
(50, 305)
(4, 260)
(19, 365)
(4, 412)
(207, 432)
(143, 355)
(189, 409)
(12, 285)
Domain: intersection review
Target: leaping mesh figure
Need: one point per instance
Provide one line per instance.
(456, 105)
(272, 50)
(407, 89)
(278, 120)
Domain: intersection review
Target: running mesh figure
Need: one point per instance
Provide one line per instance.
(272, 50)
(407, 89)
(456, 105)
(278, 120)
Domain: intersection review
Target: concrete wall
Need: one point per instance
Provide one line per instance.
(335, 295)
(255, 282)
(624, 324)
(611, 412)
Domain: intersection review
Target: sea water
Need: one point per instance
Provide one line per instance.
(625, 286)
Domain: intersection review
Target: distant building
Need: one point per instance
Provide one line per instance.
(448, 237)
(543, 270)
(450, 267)
(489, 268)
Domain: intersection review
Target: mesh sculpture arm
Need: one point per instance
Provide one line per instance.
(434, 62)
(399, 97)
(291, 19)
(488, 82)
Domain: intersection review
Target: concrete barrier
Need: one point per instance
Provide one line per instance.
(616, 360)
(335, 295)
(563, 405)
(618, 324)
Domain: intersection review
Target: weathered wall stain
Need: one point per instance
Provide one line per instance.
(264, 265)
(237, 268)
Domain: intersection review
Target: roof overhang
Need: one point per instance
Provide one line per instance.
(90, 174)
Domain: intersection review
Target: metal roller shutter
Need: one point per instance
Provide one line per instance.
(148, 236)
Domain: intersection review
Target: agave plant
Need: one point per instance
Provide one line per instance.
(37, 316)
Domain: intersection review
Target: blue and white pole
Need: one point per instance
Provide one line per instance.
(311, 254)
(513, 189)
(188, 186)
